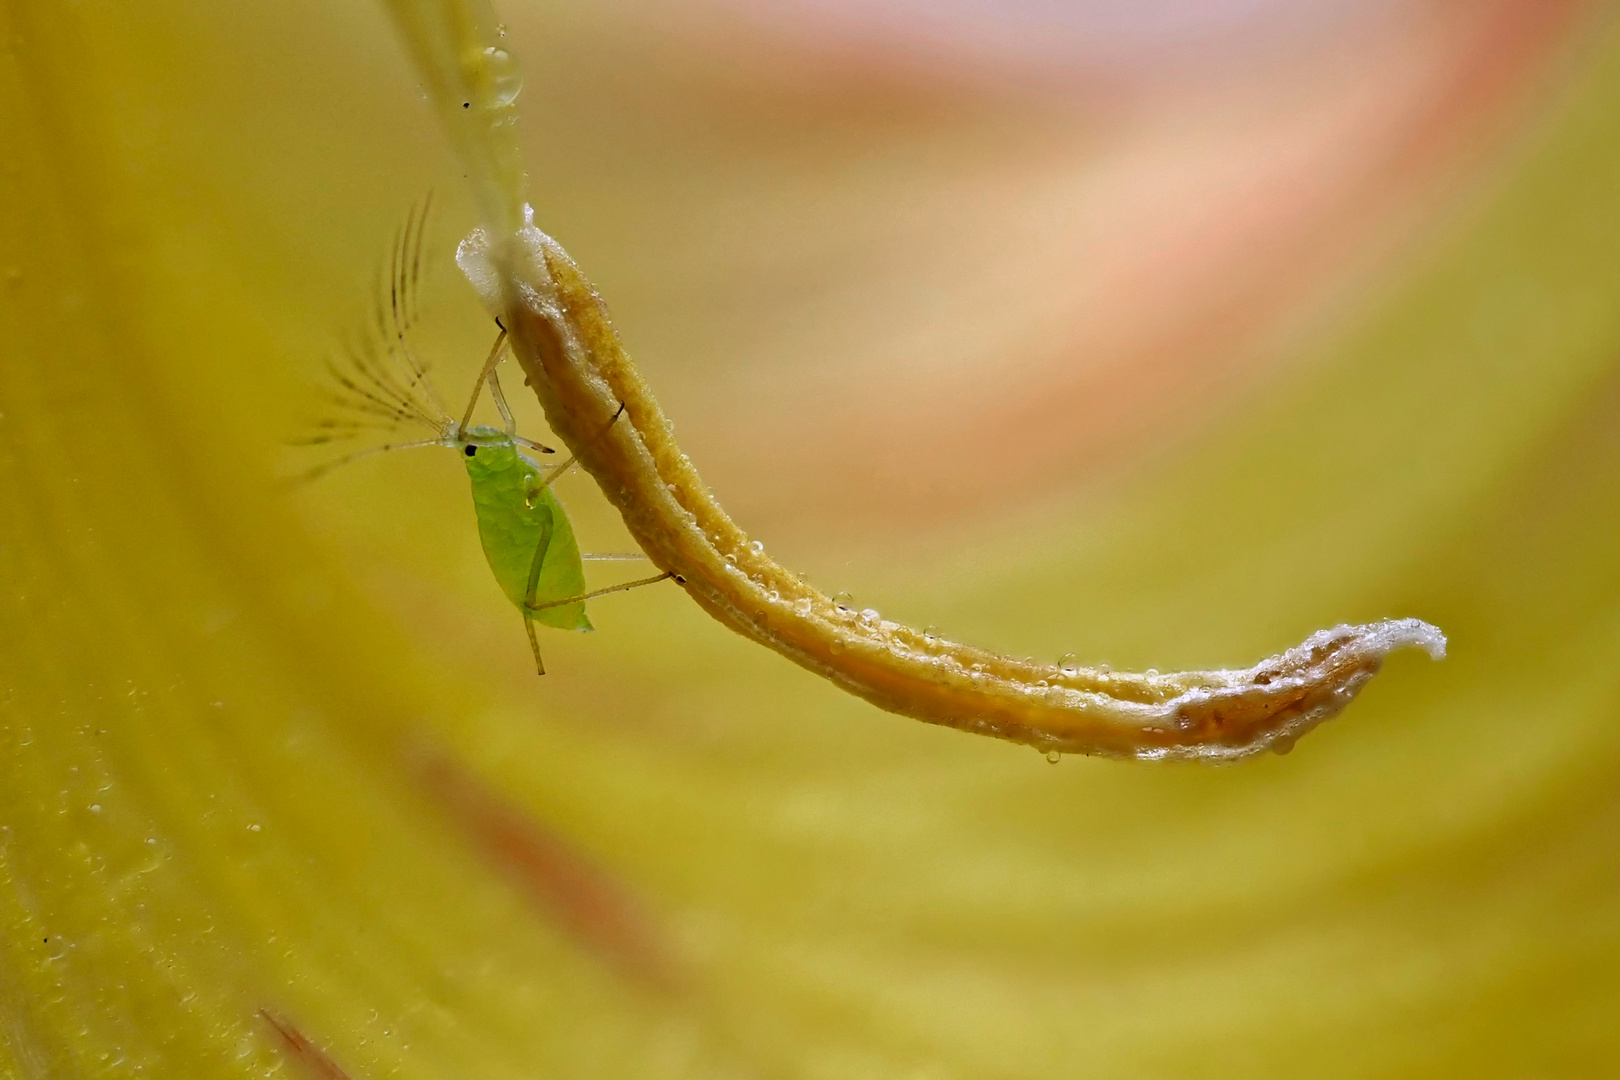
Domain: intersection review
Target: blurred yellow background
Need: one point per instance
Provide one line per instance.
(1160, 341)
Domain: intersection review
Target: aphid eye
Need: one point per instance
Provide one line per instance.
(471, 450)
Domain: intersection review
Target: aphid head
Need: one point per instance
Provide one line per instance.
(486, 447)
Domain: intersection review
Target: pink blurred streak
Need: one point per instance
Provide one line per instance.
(1011, 247)
(1129, 40)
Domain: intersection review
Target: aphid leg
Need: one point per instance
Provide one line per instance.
(602, 592)
(572, 458)
(540, 550)
(534, 643)
(484, 373)
(501, 406)
(546, 480)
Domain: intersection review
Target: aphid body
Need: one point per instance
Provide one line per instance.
(526, 535)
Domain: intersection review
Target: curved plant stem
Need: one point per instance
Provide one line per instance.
(561, 335)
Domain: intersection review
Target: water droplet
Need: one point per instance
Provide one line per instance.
(1041, 683)
(844, 602)
(500, 31)
(1069, 665)
(253, 828)
(1152, 673)
(95, 808)
(1053, 757)
(837, 646)
(804, 604)
(731, 558)
(758, 547)
(930, 634)
(505, 81)
(773, 596)
(977, 668)
(870, 616)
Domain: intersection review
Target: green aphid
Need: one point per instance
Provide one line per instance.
(526, 535)
(527, 538)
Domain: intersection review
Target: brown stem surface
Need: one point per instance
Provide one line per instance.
(572, 358)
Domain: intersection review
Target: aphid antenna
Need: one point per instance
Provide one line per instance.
(405, 274)
(369, 366)
(376, 376)
(366, 386)
(321, 470)
(331, 430)
(373, 402)
(537, 447)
